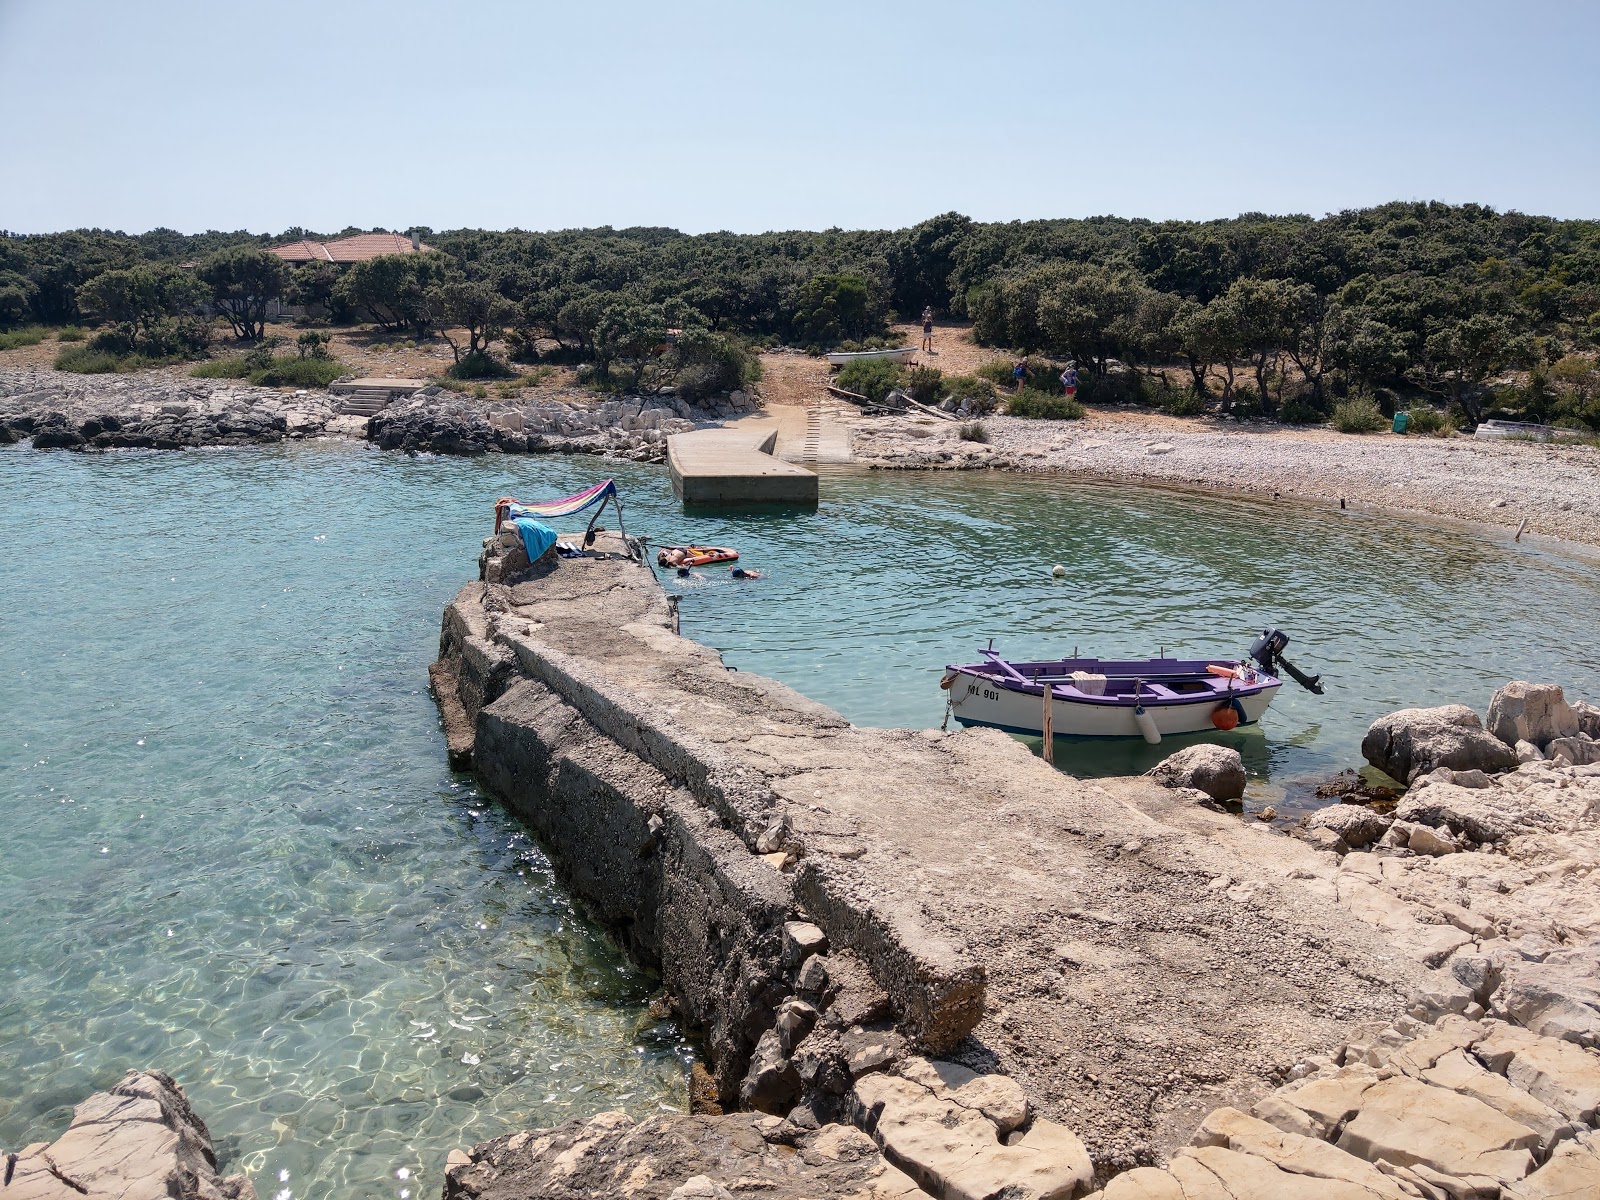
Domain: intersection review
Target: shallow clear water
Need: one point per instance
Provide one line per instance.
(235, 850)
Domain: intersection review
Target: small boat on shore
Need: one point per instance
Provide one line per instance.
(1150, 698)
(840, 358)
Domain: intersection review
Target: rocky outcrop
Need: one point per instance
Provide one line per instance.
(159, 411)
(441, 422)
(139, 1141)
(1414, 741)
(1218, 771)
(677, 1158)
(1530, 712)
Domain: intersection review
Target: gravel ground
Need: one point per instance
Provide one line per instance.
(1555, 488)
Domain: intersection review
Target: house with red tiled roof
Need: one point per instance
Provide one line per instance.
(351, 249)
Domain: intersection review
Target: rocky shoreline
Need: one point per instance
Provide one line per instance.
(1554, 488)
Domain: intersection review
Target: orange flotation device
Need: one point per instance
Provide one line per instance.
(694, 556)
(1227, 672)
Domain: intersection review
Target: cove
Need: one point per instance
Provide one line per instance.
(243, 859)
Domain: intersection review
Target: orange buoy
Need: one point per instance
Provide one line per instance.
(1225, 716)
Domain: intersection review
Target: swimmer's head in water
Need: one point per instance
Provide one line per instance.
(683, 571)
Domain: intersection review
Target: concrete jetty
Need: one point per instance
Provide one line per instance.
(948, 892)
(735, 465)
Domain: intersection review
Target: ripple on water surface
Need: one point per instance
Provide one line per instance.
(238, 855)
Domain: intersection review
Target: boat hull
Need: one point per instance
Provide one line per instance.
(977, 700)
(840, 358)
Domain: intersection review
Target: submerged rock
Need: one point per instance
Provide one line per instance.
(1216, 770)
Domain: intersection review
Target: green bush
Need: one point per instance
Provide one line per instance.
(1300, 412)
(282, 370)
(996, 372)
(1184, 402)
(233, 367)
(1427, 419)
(1044, 406)
(873, 378)
(81, 360)
(926, 385)
(30, 336)
(974, 431)
(478, 364)
(70, 333)
(1359, 414)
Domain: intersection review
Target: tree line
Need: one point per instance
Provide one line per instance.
(1274, 315)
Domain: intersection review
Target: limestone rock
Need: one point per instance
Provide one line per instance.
(1215, 1173)
(1358, 826)
(794, 1021)
(1460, 1073)
(675, 1157)
(1233, 1130)
(1330, 1101)
(1580, 751)
(1143, 1183)
(955, 1152)
(802, 939)
(1528, 752)
(1556, 999)
(1410, 1123)
(1413, 741)
(1218, 771)
(1572, 1173)
(1491, 815)
(1588, 717)
(139, 1141)
(1563, 1075)
(1530, 712)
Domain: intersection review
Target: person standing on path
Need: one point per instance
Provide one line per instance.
(927, 328)
(1019, 374)
(1069, 380)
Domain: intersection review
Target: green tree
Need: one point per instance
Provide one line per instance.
(832, 308)
(17, 294)
(392, 289)
(1459, 358)
(1209, 336)
(476, 307)
(243, 282)
(138, 297)
(1089, 313)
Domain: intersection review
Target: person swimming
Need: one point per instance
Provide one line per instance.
(743, 573)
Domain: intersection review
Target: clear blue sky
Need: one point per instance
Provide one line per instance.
(752, 116)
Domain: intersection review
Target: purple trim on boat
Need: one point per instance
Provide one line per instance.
(1129, 682)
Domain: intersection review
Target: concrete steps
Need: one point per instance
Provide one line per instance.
(364, 402)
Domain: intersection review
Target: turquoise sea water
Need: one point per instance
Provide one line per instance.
(235, 852)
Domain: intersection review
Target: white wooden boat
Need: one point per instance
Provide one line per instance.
(1500, 431)
(840, 358)
(1150, 698)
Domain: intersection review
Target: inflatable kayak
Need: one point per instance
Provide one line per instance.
(694, 556)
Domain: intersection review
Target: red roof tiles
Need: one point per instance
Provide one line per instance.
(346, 250)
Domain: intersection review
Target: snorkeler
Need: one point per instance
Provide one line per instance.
(743, 573)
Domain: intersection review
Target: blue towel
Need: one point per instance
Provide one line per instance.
(536, 538)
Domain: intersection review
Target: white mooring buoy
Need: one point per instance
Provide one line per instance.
(1058, 571)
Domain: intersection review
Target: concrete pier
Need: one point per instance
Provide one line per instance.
(949, 892)
(735, 466)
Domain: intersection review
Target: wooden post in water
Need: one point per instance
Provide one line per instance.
(1049, 728)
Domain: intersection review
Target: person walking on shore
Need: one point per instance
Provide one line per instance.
(927, 328)
(1019, 374)
(1069, 380)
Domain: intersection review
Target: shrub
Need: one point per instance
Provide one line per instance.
(1359, 414)
(285, 371)
(1427, 419)
(973, 431)
(996, 372)
(70, 333)
(926, 385)
(31, 336)
(1300, 412)
(233, 367)
(313, 344)
(872, 378)
(478, 364)
(1044, 406)
(268, 370)
(81, 360)
(1184, 402)
(479, 392)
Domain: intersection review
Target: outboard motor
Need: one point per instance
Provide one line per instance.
(1268, 651)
